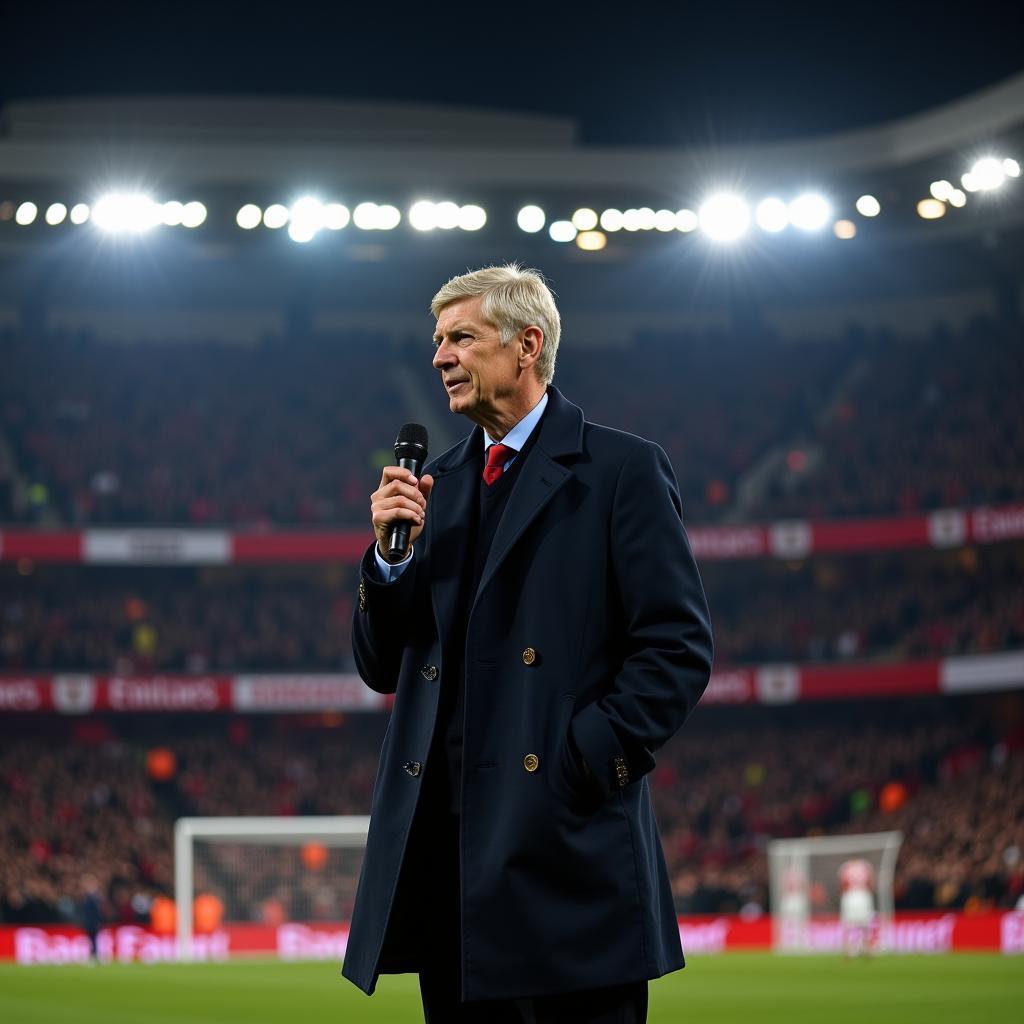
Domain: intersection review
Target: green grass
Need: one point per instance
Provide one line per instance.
(736, 988)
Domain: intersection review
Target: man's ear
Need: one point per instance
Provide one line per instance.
(531, 345)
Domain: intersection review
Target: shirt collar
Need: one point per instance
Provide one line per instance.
(520, 433)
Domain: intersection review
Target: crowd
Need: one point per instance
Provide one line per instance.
(732, 780)
(126, 621)
(295, 432)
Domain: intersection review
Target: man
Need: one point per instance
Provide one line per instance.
(857, 907)
(546, 632)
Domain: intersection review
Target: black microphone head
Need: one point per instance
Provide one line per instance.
(411, 442)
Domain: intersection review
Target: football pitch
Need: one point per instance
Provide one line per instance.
(736, 988)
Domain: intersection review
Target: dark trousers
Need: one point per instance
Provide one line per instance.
(441, 981)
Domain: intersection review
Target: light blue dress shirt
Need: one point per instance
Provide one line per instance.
(516, 438)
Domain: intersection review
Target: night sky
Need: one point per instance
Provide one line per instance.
(645, 74)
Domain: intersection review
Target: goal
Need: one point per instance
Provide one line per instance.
(268, 870)
(803, 876)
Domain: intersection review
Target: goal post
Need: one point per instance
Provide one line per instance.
(318, 837)
(804, 888)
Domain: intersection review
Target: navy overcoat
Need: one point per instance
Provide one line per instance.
(590, 618)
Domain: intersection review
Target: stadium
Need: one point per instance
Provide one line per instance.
(214, 318)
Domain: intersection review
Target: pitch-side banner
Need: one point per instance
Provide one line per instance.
(786, 539)
(910, 932)
(84, 693)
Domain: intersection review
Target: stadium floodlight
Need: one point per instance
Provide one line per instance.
(646, 218)
(172, 213)
(562, 231)
(364, 216)
(80, 213)
(1011, 168)
(422, 216)
(26, 214)
(193, 215)
(388, 217)
(611, 220)
(772, 215)
(968, 182)
(584, 219)
(931, 209)
(531, 219)
(724, 216)
(988, 173)
(472, 217)
(275, 216)
(809, 212)
(126, 213)
(665, 220)
(306, 218)
(868, 206)
(249, 217)
(336, 216)
(686, 221)
(55, 213)
(631, 220)
(941, 190)
(845, 229)
(958, 198)
(591, 241)
(447, 215)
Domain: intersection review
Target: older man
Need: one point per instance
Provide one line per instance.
(544, 635)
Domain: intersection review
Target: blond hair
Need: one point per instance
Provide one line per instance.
(513, 298)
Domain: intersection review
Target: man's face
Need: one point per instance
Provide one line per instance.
(480, 375)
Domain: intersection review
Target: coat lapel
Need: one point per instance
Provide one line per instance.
(561, 434)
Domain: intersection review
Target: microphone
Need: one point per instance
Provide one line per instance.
(410, 454)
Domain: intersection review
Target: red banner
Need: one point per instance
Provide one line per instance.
(910, 932)
(787, 539)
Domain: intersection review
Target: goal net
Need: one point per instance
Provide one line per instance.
(264, 870)
(806, 889)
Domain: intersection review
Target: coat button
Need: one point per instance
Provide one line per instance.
(412, 767)
(531, 762)
(429, 672)
(529, 656)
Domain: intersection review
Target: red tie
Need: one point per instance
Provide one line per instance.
(497, 456)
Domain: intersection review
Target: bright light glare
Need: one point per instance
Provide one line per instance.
(123, 213)
(193, 215)
(55, 213)
(562, 231)
(845, 229)
(472, 218)
(931, 209)
(591, 241)
(724, 217)
(646, 218)
(611, 220)
(809, 212)
(665, 220)
(584, 219)
(249, 216)
(941, 189)
(306, 219)
(26, 213)
(275, 216)
(969, 183)
(422, 216)
(388, 217)
(336, 216)
(531, 219)
(631, 220)
(364, 216)
(868, 206)
(447, 215)
(772, 215)
(686, 220)
(1011, 168)
(172, 213)
(80, 213)
(988, 173)
(958, 198)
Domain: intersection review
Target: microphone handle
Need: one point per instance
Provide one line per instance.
(398, 540)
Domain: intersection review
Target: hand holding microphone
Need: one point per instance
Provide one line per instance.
(399, 505)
